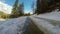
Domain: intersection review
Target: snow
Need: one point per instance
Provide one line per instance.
(2, 19)
(45, 26)
(12, 26)
(48, 22)
(55, 15)
(43, 21)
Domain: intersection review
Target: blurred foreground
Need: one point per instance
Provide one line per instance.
(48, 23)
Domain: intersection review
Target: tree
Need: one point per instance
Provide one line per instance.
(42, 6)
(29, 14)
(21, 9)
(38, 10)
(59, 4)
(15, 9)
(33, 8)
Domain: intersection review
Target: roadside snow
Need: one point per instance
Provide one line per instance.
(2, 19)
(13, 26)
(48, 22)
(45, 26)
(55, 15)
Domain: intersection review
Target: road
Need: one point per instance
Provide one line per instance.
(29, 25)
(48, 26)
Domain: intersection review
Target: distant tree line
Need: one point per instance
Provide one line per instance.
(4, 15)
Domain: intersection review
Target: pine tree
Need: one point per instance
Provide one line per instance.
(45, 6)
(15, 9)
(21, 9)
(38, 10)
(59, 5)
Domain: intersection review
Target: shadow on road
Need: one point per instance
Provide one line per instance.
(33, 29)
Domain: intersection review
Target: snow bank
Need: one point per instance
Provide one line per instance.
(13, 26)
(48, 22)
(45, 26)
(55, 15)
(2, 19)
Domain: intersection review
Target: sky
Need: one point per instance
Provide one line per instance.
(27, 4)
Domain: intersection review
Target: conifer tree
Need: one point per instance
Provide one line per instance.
(15, 9)
(38, 10)
(21, 9)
